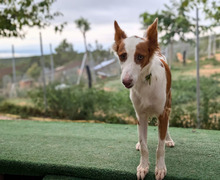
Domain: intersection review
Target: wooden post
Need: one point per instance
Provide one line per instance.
(184, 57)
(89, 76)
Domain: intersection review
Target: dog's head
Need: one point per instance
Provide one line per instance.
(134, 52)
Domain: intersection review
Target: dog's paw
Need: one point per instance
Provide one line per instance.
(160, 173)
(142, 171)
(138, 147)
(170, 143)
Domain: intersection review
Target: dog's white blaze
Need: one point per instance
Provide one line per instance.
(129, 68)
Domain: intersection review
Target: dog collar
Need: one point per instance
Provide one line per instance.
(148, 78)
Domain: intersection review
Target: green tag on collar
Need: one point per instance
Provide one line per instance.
(148, 78)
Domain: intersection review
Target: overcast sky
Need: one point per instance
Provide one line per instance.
(100, 13)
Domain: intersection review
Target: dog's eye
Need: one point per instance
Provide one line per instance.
(123, 56)
(140, 57)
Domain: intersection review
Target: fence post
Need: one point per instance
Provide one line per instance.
(13, 64)
(43, 73)
(197, 68)
(81, 68)
(51, 63)
(214, 45)
(89, 76)
(209, 46)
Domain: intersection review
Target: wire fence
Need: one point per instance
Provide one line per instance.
(17, 75)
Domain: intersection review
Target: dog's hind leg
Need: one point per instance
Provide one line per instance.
(143, 167)
(168, 141)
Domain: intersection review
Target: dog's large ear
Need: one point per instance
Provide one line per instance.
(119, 36)
(151, 34)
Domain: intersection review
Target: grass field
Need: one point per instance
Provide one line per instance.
(101, 151)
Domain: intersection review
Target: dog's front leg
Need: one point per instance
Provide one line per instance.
(160, 169)
(143, 167)
(169, 141)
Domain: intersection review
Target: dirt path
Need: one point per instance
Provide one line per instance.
(217, 56)
(206, 70)
(17, 117)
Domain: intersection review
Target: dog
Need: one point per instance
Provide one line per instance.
(146, 73)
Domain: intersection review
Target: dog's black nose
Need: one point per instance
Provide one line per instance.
(127, 83)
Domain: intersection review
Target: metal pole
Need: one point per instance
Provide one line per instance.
(214, 45)
(51, 64)
(209, 46)
(42, 65)
(197, 67)
(13, 64)
(81, 68)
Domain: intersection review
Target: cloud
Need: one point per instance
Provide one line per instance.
(105, 11)
(100, 13)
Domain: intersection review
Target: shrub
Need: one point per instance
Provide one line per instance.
(2, 98)
(184, 89)
(78, 103)
(23, 111)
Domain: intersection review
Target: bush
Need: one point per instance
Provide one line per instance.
(23, 111)
(77, 103)
(184, 113)
(2, 98)
(186, 116)
(80, 103)
(181, 117)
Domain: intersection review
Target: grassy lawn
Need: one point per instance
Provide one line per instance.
(101, 151)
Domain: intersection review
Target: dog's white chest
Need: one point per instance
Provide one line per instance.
(149, 94)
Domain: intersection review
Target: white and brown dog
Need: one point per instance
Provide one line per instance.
(146, 73)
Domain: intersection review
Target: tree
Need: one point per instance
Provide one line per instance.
(34, 71)
(175, 20)
(65, 53)
(83, 26)
(17, 14)
(64, 46)
(99, 53)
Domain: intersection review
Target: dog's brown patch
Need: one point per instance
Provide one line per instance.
(142, 49)
(168, 75)
(119, 36)
(148, 47)
(121, 48)
(152, 38)
(163, 122)
(119, 45)
(164, 118)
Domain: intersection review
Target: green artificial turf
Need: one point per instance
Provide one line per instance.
(102, 151)
(53, 177)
